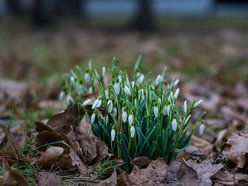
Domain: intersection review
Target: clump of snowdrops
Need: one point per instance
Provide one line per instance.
(134, 117)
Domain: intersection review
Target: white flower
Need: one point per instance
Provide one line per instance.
(110, 106)
(201, 129)
(87, 102)
(97, 103)
(119, 78)
(130, 119)
(198, 103)
(124, 116)
(112, 135)
(93, 117)
(61, 95)
(132, 131)
(106, 94)
(176, 82)
(166, 110)
(87, 78)
(176, 93)
(72, 80)
(117, 88)
(90, 90)
(114, 113)
(140, 79)
(174, 125)
(69, 99)
(127, 90)
(103, 71)
(158, 80)
(155, 110)
(132, 84)
(185, 107)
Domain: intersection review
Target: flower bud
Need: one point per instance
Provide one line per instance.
(61, 95)
(176, 82)
(86, 102)
(197, 103)
(140, 79)
(103, 71)
(174, 125)
(166, 110)
(117, 88)
(110, 106)
(130, 119)
(112, 135)
(201, 129)
(155, 111)
(132, 84)
(127, 90)
(185, 107)
(124, 116)
(69, 100)
(132, 131)
(158, 80)
(72, 80)
(90, 90)
(93, 117)
(87, 78)
(97, 103)
(176, 93)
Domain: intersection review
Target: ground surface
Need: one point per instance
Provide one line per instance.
(209, 56)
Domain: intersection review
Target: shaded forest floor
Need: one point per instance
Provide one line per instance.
(209, 56)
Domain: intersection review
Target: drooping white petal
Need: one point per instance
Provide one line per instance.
(176, 93)
(90, 90)
(174, 124)
(96, 103)
(87, 78)
(127, 90)
(117, 88)
(124, 116)
(185, 107)
(130, 119)
(155, 111)
(87, 102)
(140, 79)
(158, 80)
(93, 117)
(201, 129)
(110, 106)
(176, 82)
(198, 103)
(61, 95)
(112, 135)
(103, 71)
(132, 131)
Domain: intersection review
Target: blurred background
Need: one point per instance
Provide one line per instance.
(41, 38)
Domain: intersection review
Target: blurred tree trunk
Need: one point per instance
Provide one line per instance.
(14, 7)
(144, 20)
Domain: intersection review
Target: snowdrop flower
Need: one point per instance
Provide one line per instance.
(72, 80)
(120, 78)
(155, 111)
(166, 110)
(158, 80)
(127, 90)
(103, 71)
(97, 103)
(110, 106)
(185, 107)
(106, 94)
(86, 102)
(114, 113)
(132, 131)
(61, 95)
(87, 78)
(132, 84)
(93, 117)
(197, 103)
(176, 93)
(201, 129)
(174, 125)
(176, 82)
(117, 88)
(130, 119)
(124, 116)
(90, 90)
(69, 99)
(112, 135)
(140, 79)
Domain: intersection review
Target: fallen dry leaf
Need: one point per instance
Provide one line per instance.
(154, 174)
(48, 179)
(11, 177)
(141, 162)
(205, 170)
(237, 149)
(111, 181)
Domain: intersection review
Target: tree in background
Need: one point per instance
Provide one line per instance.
(144, 20)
